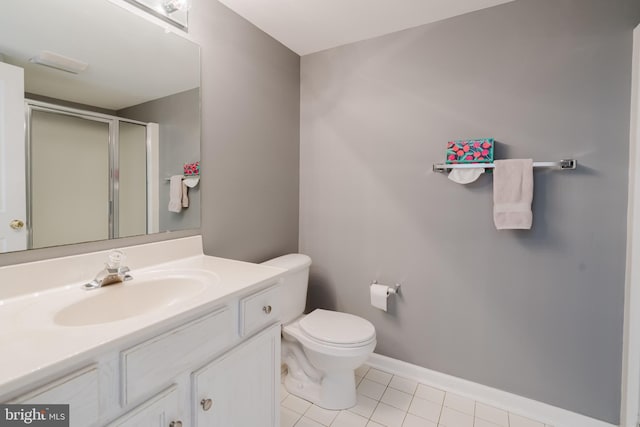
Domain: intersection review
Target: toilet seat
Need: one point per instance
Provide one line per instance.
(318, 333)
(337, 329)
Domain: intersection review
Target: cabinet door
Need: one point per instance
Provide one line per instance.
(160, 411)
(240, 388)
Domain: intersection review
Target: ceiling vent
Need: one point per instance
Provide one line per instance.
(59, 62)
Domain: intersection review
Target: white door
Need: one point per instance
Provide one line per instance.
(13, 231)
(630, 408)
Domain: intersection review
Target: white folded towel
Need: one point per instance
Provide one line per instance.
(513, 194)
(185, 195)
(175, 193)
(465, 176)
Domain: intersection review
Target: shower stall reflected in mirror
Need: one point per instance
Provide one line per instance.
(90, 176)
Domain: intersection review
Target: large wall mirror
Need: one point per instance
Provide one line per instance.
(99, 108)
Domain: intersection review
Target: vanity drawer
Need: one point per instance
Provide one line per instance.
(259, 310)
(79, 390)
(153, 364)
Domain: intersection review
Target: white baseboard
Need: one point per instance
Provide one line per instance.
(533, 409)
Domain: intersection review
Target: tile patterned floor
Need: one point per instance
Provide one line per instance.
(386, 400)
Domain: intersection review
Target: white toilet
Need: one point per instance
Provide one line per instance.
(323, 348)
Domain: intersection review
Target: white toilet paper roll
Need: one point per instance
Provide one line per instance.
(379, 295)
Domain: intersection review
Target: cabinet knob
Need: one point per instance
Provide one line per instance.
(266, 309)
(175, 424)
(16, 224)
(206, 404)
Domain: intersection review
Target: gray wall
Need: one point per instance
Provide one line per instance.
(538, 313)
(250, 144)
(178, 117)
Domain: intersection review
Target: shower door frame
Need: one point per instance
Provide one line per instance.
(113, 150)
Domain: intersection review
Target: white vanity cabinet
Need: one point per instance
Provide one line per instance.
(241, 388)
(146, 352)
(205, 371)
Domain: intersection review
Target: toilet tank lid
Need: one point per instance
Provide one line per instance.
(337, 328)
(290, 262)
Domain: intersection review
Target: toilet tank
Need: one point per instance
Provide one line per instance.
(294, 284)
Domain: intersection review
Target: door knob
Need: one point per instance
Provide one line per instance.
(267, 309)
(16, 224)
(206, 404)
(175, 424)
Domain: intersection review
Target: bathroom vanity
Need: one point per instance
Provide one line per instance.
(190, 341)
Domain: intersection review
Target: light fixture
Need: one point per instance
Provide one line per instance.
(59, 62)
(174, 12)
(171, 6)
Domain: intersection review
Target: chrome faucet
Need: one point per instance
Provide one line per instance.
(113, 272)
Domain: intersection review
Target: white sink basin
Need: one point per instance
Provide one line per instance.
(141, 295)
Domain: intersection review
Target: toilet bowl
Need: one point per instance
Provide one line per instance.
(332, 346)
(323, 348)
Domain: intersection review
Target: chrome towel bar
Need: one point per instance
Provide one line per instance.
(565, 164)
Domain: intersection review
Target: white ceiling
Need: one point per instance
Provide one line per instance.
(307, 26)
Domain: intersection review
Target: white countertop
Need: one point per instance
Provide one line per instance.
(34, 346)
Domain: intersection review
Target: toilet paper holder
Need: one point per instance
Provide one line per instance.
(394, 289)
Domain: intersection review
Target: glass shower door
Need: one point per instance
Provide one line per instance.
(69, 179)
(132, 180)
